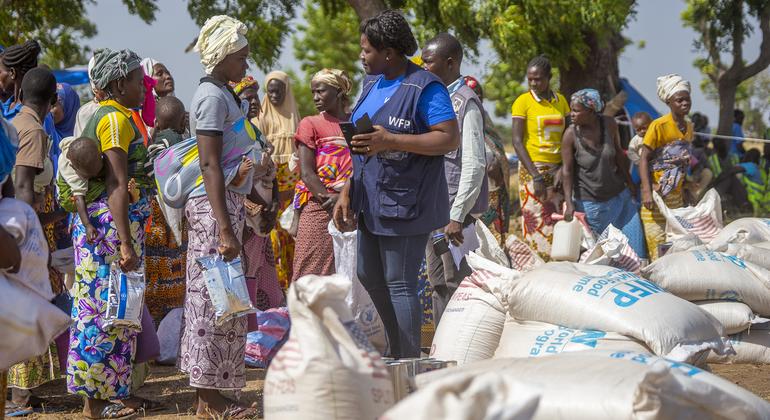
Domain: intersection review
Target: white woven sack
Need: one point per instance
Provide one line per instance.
(522, 257)
(707, 275)
(22, 223)
(538, 339)
(751, 346)
(489, 248)
(734, 316)
(612, 249)
(359, 300)
(487, 396)
(704, 220)
(594, 297)
(473, 320)
(599, 385)
(748, 230)
(758, 254)
(327, 369)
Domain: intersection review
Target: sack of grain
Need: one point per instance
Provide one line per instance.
(359, 300)
(327, 369)
(620, 385)
(704, 220)
(522, 257)
(612, 249)
(473, 320)
(462, 396)
(489, 248)
(751, 346)
(685, 243)
(594, 297)
(708, 275)
(758, 254)
(749, 230)
(734, 316)
(538, 339)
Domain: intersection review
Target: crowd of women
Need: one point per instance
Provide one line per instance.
(88, 172)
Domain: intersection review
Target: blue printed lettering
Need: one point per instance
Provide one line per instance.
(588, 338)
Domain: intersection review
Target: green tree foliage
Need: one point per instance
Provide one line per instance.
(723, 26)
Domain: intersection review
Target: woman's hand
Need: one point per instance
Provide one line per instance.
(569, 210)
(328, 200)
(129, 261)
(538, 188)
(647, 198)
(370, 144)
(229, 246)
(343, 214)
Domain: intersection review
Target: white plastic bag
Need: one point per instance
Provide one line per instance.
(748, 230)
(169, 336)
(612, 249)
(598, 384)
(227, 287)
(22, 223)
(594, 297)
(538, 339)
(707, 275)
(522, 257)
(473, 320)
(327, 369)
(488, 396)
(289, 220)
(125, 298)
(734, 316)
(704, 220)
(751, 346)
(358, 300)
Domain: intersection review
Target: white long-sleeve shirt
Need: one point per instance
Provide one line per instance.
(474, 163)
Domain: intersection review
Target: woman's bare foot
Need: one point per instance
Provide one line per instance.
(212, 404)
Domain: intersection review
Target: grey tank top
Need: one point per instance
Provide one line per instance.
(596, 173)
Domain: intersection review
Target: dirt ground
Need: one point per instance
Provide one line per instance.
(169, 387)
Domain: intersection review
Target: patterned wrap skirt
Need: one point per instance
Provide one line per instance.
(537, 224)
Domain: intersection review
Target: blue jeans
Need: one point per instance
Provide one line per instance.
(387, 268)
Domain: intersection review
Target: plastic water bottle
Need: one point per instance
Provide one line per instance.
(566, 240)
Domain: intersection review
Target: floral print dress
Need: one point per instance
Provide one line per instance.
(99, 360)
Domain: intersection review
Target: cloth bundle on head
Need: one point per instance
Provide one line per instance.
(335, 78)
(279, 123)
(670, 84)
(589, 98)
(220, 36)
(111, 65)
(148, 65)
(245, 83)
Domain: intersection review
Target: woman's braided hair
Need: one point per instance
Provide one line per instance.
(542, 62)
(389, 29)
(22, 57)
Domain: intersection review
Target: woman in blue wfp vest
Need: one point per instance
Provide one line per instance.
(398, 192)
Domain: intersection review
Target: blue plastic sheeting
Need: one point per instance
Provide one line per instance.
(636, 102)
(73, 77)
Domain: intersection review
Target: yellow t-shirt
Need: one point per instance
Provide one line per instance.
(544, 125)
(663, 131)
(114, 129)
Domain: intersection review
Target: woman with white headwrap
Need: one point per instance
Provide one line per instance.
(278, 122)
(164, 82)
(664, 158)
(212, 353)
(325, 166)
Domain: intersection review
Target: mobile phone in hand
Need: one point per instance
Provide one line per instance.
(348, 131)
(364, 125)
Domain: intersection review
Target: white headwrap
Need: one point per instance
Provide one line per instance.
(220, 36)
(670, 84)
(91, 63)
(148, 65)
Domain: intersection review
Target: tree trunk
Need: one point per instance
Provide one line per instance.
(598, 71)
(367, 8)
(726, 87)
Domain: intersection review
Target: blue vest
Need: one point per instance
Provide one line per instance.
(400, 193)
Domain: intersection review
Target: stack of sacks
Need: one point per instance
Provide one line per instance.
(733, 290)
(600, 300)
(263, 344)
(612, 385)
(749, 230)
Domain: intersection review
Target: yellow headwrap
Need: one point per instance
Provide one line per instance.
(220, 36)
(335, 78)
(279, 123)
(246, 82)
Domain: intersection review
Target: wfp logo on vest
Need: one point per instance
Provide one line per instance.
(399, 122)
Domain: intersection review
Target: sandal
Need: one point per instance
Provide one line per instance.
(112, 411)
(143, 404)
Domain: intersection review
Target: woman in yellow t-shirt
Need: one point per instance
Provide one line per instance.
(664, 158)
(538, 126)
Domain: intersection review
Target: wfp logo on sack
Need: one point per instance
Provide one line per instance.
(735, 260)
(588, 338)
(626, 288)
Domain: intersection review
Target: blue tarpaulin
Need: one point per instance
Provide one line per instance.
(73, 77)
(635, 101)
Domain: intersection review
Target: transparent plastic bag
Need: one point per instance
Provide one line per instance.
(125, 298)
(226, 285)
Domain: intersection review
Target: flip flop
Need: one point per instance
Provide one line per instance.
(145, 404)
(112, 411)
(19, 412)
